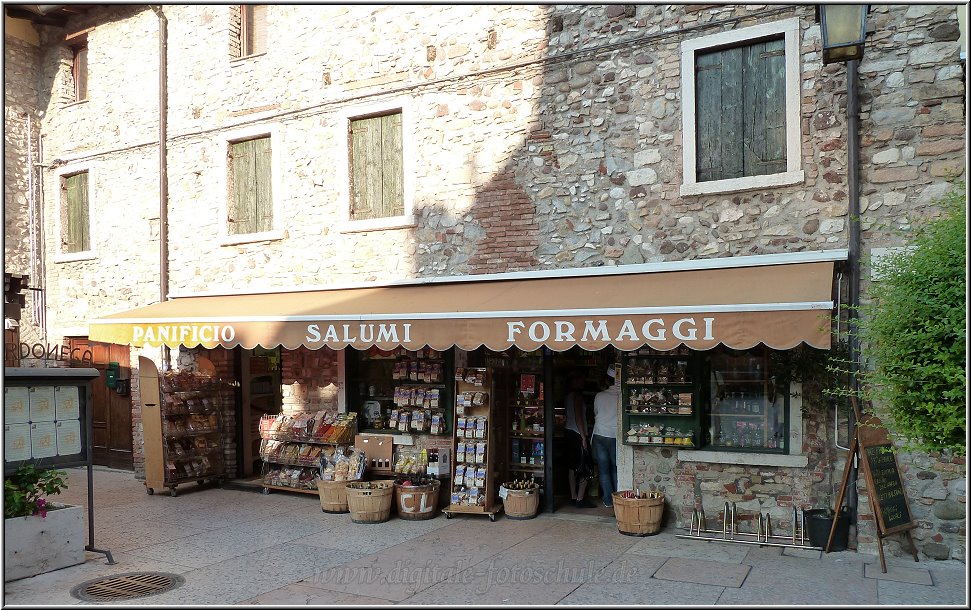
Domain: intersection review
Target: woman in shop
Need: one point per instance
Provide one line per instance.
(604, 438)
(578, 448)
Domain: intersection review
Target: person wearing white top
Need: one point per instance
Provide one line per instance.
(605, 436)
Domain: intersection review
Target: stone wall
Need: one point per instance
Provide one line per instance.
(22, 130)
(541, 137)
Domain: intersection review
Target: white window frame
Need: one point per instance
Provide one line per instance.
(60, 174)
(407, 219)
(226, 139)
(794, 173)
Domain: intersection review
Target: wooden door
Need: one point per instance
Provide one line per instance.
(112, 424)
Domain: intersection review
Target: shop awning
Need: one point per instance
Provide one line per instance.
(778, 300)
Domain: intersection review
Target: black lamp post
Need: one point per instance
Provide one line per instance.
(843, 28)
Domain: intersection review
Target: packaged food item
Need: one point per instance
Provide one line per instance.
(403, 418)
(437, 424)
(480, 427)
(460, 427)
(460, 452)
(480, 451)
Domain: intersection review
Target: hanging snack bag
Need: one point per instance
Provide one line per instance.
(460, 452)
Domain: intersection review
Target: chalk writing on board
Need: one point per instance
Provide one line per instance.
(888, 491)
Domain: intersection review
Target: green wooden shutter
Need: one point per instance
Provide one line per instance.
(740, 111)
(392, 170)
(242, 212)
(263, 187)
(77, 231)
(765, 125)
(366, 168)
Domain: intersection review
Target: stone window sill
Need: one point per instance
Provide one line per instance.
(248, 238)
(743, 184)
(75, 257)
(379, 224)
(739, 458)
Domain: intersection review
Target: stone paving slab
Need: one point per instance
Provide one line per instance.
(250, 575)
(801, 581)
(703, 572)
(231, 541)
(898, 574)
(807, 553)
(667, 545)
(628, 580)
(301, 595)
(371, 537)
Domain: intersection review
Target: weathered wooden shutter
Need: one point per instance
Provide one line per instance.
(392, 170)
(263, 186)
(254, 28)
(765, 108)
(377, 171)
(80, 74)
(366, 168)
(242, 212)
(740, 111)
(77, 230)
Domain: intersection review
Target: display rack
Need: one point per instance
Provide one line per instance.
(293, 446)
(474, 402)
(188, 430)
(661, 402)
(742, 395)
(527, 427)
(391, 388)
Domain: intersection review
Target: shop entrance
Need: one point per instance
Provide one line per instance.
(531, 389)
(261, 396)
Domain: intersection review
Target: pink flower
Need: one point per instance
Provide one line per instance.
(42, 507)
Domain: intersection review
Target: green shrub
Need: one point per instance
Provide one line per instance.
(25, 491)
(913, 334)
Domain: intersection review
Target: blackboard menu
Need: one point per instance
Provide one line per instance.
(888, 491)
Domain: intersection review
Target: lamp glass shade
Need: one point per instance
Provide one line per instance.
(843, 27)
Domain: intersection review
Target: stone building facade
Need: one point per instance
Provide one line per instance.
(535, 137)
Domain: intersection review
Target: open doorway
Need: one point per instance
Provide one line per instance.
(261, 396)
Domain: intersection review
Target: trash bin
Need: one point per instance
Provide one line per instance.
(818, 523)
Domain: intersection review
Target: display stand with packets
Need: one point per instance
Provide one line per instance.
(296, 448)
(474, 487)
(190, 431)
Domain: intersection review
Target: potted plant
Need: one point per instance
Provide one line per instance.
(39, 535)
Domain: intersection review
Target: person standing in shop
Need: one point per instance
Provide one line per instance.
(605, 436)
(578, 448)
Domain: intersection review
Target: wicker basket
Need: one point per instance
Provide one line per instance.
(520, 503)
(370, 502)
(417, 502)
(638, 516)
(333, 496)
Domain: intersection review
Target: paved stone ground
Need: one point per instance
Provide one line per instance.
(248, 548)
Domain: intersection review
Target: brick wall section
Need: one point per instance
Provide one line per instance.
(507, 215)
(309, 379)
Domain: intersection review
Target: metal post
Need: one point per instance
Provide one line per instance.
(853, 183)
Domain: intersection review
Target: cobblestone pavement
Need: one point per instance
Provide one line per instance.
(248, 548)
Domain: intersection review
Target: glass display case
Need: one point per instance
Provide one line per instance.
(661, 401)
(747, 410)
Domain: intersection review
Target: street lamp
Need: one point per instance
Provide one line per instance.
(843, 28)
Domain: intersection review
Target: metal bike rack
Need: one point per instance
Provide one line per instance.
(763, 536)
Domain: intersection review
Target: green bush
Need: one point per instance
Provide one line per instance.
(913, 334)
(25, 491)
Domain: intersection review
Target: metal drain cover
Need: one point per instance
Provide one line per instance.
(129, 585)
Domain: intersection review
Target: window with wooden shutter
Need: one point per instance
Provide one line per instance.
(75, 225)
(377, 170)
(741, 111)
(250, 192)
(79, 72)
(253, 29)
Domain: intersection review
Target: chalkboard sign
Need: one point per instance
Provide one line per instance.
(887, 493)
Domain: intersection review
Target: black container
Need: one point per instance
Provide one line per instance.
(818, 523)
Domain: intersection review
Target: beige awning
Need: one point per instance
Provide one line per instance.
(780, 304)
